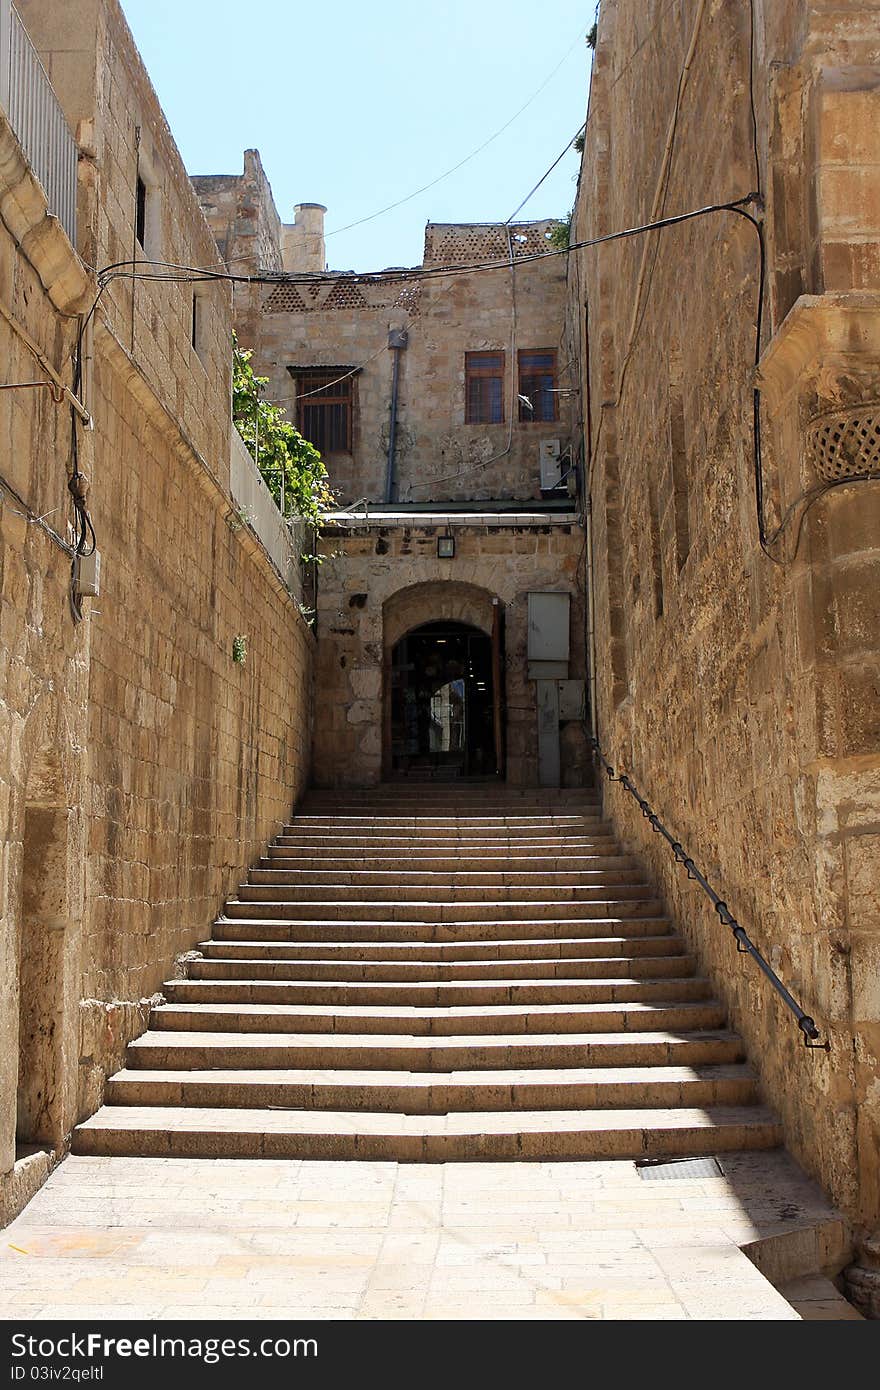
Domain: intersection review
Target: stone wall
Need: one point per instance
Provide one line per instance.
(343, 321)
(241, 212)
(380, 580)
(141, 768)
(740, 691)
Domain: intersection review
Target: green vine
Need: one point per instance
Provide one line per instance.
(290, 466)
(560, 233)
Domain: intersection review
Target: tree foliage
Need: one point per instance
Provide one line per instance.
(291, 467)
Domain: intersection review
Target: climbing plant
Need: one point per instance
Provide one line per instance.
(560, 233)
(291, 467)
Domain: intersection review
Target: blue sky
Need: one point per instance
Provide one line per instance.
(356, 104)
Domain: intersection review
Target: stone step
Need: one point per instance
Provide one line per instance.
(447, 1021)
(419, 914)
(272, 891)
(452, 806)
(493, 861)
(167, 1131)
(433, 1093)
(554, 949)
(191, 1049)
(421, 822)
(426, 972)
(446, 880)
(423, 994)
(441, 795)
(445, 845)
(491, 929)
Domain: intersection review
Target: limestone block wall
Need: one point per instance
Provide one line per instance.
(141, 768)
(343, 321)
(738, 692)
(377, 582)
(241, 212)
(108, 100)
(43, 695)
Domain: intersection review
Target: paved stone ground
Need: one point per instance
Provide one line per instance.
(184, 1238)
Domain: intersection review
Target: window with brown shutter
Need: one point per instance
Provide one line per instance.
(484, 388)
(323, 409)
(537, 382)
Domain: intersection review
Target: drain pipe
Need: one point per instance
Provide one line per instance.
(397, 341)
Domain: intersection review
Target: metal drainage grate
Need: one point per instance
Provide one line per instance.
(670, 1169)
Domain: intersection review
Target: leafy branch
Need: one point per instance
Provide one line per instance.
(290, 466)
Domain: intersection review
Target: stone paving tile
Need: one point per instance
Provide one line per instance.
(170, 1239)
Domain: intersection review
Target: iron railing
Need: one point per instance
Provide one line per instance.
(744, 945)
(33, 111)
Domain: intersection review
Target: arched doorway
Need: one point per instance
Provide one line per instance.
(444, 705)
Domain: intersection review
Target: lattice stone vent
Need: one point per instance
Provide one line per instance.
(345, 295)
(284, 299)
(845, 443)
(410, 299)
(486, 244)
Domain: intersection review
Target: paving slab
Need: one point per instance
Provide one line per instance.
(176, 1238)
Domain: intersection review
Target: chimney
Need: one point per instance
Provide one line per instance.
(302, 241)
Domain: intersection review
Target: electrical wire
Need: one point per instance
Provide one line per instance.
(183, 274)
(485, 463)
(752, 107)
(558, 160)
(811, 497)
(34, 519)
(193, 274)
(461, 163)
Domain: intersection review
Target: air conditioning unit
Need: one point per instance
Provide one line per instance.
(548, 457)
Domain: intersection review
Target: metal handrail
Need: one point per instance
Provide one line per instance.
(744, 945)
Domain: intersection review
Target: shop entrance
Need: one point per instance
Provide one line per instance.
(445, 705)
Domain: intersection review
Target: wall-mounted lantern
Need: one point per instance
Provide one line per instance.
(446, 547)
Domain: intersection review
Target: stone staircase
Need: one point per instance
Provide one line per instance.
(429, 973)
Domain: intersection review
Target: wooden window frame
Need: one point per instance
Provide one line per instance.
(532, 417)
(342, 394)
(472, 373)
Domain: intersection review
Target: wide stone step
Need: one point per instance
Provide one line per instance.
(420, 913)
(169, 1131)
(423, 994)
(433, 1093)
(448, 806)
(447, 880)
(426, 972)
(441, 1022)
(280, 857)
(191, 1049)
(381, 930)
(508, 823)
(440, 794)
(552, 949)
(267, 889)
(445, 845)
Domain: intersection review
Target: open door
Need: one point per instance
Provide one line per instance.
(498, 682)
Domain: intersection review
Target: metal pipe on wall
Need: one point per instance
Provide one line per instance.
(397, 341)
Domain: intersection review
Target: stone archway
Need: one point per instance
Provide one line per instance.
(456, 603)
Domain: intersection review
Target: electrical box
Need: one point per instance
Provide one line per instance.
(548, 457)
(88, 575)
(571, 700)
(548, 635)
